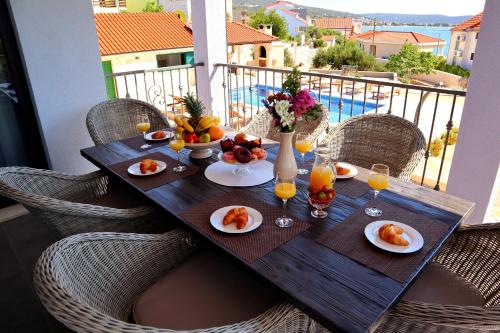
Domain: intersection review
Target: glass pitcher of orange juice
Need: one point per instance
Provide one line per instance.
(323, 175)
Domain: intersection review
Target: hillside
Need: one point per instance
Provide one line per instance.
(418, 19)
(252, 5)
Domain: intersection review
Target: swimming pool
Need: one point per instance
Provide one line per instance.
(259, 92)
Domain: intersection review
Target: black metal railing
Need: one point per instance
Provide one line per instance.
(161, 87)
(347, 96)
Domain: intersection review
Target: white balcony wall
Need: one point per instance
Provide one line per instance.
(474, 169)
(61, 57)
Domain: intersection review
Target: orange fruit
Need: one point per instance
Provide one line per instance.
(215, 133)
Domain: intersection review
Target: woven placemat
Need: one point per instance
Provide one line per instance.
(351, 187)
(150, 182)
(252, 245)
(349, 239)
(137, 141)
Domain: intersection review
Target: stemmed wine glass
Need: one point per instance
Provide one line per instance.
(284, 189)
(303, 145)
(177, 143)
(143, 124)
(378, 180)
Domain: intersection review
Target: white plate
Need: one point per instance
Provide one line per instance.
(411, 235)
(149, 136)
(219, 156)
(254, 220)
(135, 170)
(352, 170)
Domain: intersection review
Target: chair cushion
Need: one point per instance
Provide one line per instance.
(205, 291)
(438, 284)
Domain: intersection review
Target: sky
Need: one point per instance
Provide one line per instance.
(443, 7)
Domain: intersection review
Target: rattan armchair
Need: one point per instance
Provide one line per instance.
(65, 201)
(116, 119)
(378, 138)
(472, 254)
(260, 126)
(90, 282)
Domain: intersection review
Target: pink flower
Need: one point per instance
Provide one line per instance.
(302, 102)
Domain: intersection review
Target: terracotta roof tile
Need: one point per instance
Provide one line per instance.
(334, 22)
(135, 32)
(138, 32)
(474, 23)
(398, 37)
(238, 34)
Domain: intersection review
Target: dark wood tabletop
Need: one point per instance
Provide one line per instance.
(338, 292)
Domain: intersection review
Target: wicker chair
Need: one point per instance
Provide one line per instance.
(260, 126)
(376, 138)
(116, 119)
(90, 282)
(471, 254)
(64, 201)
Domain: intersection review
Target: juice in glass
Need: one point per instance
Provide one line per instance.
(378, 182)
(285, 190)
(303, 146)
(177, 144)
(143, 127)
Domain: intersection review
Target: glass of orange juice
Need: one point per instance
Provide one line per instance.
(143, 124)
(378, 180)
(284, 189)
(303, 145)
(177, 143)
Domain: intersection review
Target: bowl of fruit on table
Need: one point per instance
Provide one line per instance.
(241, 152)
(200, 132)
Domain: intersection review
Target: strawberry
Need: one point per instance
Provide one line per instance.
(143, 168)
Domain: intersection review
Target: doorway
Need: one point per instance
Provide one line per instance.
(20, 140)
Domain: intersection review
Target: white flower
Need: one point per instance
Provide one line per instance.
(283, 110)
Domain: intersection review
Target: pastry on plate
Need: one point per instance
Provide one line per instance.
(392, 234)
(148, 165)
(159, 135)
(238, 216)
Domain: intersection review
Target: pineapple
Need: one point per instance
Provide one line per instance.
(194, 107)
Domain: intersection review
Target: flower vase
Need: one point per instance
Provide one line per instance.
(285, 161)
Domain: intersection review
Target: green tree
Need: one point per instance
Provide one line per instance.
(287, 58)
(410, 61)
(280, 27)
(152, 7)
(313, 32)
(343, 54)
(441, 65)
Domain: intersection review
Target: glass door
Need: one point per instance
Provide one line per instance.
(20, 140)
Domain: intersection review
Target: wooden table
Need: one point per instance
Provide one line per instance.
(336, 291)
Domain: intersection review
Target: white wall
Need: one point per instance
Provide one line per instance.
(59, 44)
(477, 154)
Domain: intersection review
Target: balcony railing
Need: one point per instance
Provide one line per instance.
(434, 110)
(161, 87)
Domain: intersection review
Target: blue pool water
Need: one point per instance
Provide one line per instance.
(259, 92)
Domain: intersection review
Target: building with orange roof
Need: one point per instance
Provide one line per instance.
(344, 25)
(463, 42)
(383, 44)
(139, 41)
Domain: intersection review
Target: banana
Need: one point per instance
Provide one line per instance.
(187, 126)
(179, 129)
(178, 120)
(207, 122)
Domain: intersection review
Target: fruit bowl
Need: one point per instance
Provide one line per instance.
(241, 169)
(202, 150)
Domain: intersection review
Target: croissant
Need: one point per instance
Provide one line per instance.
(392, 234)
(238, 216)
